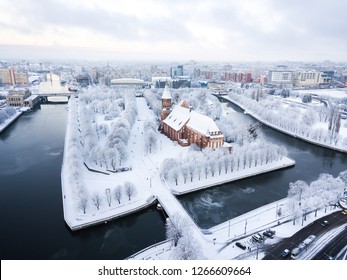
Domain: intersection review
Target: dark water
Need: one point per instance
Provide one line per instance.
(216, 205)
(31, 213)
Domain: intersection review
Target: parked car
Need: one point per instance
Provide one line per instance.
(285, 253)
(269, 233)
(241, 245)
(257, 237)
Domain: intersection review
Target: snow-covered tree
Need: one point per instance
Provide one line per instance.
(118, 193)
(187, 249)
(83, 203)
(130, 189)
(97, 200)
(175, 227)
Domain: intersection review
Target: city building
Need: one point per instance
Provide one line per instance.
(311, 79)
(83, 79)
(181, 81)
(187, 127)
(237, 77)
(22, 98)
(160, 82)
(281, 75)
(176, 71)
(12, 77)
(136, 83)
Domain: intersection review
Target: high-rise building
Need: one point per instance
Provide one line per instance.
(176, 71)
(13, 77)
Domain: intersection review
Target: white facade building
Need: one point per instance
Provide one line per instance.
(281, 77)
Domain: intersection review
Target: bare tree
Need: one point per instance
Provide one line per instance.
(130, 189)
(97, 200)
(108, 196)
(118, 193)
(83, 204)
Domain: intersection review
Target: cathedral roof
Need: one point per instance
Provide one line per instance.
(166, 93)
(182, 115)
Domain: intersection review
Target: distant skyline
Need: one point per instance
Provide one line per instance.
(224, 30)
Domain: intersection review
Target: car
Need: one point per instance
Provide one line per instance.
(257, 237)
(241, 245)
(344, 212)
(268, 234)
(324, 223)
(285, 253)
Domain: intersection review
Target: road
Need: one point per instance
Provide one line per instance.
(335, 219)
(333, 248)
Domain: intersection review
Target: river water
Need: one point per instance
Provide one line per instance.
(216, 205)
(31, 213)
(30, 194)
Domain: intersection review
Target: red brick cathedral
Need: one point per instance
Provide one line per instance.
(186, 126)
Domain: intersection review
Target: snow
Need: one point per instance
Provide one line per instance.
(219, 241)
(9, 121)
(202, 124)
(290, 121)
(178, 117)
(166, 93)
(326, 93)
(143, 172)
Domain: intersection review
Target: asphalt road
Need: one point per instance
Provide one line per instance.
(331, 249)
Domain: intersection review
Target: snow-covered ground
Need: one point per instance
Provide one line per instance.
(292, 122)
(144, 173)
(10, 120)
(220, 240)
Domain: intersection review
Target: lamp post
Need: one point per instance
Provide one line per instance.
(229, 229)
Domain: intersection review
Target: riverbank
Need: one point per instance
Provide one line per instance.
(240, 229)
(10, 120)
(258, 118)
(144, 175)
(230, 177)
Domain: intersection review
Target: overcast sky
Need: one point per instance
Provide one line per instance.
(223, 30)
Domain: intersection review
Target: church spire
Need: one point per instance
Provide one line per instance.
(166, 103)
(166, 93)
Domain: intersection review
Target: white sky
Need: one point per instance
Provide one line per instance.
(223, 30)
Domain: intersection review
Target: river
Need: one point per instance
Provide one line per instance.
(31, 213)
(216, 205)
(31, 206)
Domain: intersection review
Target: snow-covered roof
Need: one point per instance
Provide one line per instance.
(31, 97)
(127, 81)
(201, 123)
(166, 93)
(178, 117)
(181, 115)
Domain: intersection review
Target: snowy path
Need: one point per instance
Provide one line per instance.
(149, 173)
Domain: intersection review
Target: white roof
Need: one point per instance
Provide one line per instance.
(201, 123)
(166, 93)
(127, 81)
(178, 117)
(196, 121)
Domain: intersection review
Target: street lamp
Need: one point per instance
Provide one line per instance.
(229, 229)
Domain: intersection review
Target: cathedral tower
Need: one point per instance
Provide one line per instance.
(166, 103)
